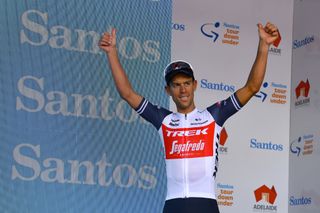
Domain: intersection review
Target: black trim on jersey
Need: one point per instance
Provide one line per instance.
(217, 157)
(152, 113)
(222, 110)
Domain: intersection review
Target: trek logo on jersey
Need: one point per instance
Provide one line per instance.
(193, 132)
(188, 142)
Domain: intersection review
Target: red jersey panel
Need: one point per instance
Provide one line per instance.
(188, 142)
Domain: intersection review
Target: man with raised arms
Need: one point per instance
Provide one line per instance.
(190, 136)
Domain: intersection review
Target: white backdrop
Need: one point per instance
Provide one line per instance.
(269, 160)
(256, 153)
(304, 195)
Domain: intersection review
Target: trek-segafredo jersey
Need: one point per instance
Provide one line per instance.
(190, 144)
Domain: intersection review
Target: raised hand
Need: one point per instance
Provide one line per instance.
(108, 41)
(268, 33)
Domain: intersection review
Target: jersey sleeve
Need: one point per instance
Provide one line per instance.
(222, 110)
(152, 113)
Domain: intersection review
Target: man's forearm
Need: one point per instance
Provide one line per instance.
(267, 35)
(258, 70)
(108, 45)
(256, 75)
(120, 77)
(121, 80)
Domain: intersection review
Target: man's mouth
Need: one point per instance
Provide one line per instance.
(184, 98)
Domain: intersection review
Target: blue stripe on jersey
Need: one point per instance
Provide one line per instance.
(221, 111)
(152, 113)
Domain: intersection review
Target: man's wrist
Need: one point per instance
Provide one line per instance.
(263, 46)
(112, 51)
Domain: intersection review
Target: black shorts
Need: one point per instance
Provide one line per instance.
(191, 205)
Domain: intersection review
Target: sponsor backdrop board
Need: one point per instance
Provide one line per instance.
(221, 43)
(68, 143)
(304, 166)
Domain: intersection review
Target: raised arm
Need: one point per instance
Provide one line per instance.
(123, 85)
(267, 35)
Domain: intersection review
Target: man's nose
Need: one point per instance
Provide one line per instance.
(182, 88)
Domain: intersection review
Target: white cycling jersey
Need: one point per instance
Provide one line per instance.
(190, 144)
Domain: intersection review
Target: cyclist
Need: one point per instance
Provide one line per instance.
(190, 136)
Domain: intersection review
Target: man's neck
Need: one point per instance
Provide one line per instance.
(186, 111)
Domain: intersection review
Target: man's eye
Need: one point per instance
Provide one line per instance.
(175, 85)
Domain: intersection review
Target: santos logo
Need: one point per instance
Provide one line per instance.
(304, 42)
(33, 99)
(37, 33)
(217, 86)
(55, 170)
(178, 26)
(255, 144)
(301, 201)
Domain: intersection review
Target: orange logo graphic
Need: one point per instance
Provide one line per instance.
(223, 137)
(303, 89)
(266, 194)
(277, 41)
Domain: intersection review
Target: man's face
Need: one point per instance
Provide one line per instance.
(181, 89)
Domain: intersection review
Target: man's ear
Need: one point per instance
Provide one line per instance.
(167, 89)
(195, 83)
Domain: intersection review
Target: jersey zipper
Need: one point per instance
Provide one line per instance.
(186, 188)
